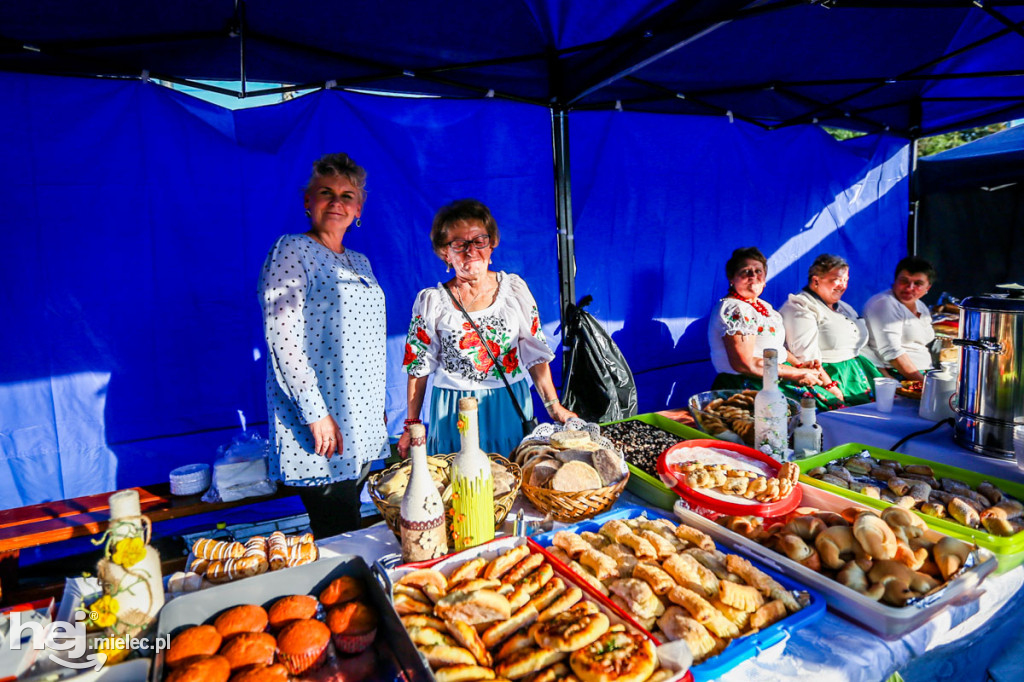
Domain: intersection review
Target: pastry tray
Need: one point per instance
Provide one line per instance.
(698, 404)
(492, 549)
(1009, 550)
(739, 649)
(641, 483)
(889, 622)
(397, 658)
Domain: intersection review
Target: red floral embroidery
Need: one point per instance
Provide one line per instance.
(469, 341)
(422, 335)
(410, 355)
(510, 362)
(760, 329)
(771, 329)
(535, 325)
(467, 326)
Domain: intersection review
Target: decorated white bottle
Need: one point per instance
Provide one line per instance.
(472, 484)
(129, 572)
(421, 520)
(771, 435)
(807, 436)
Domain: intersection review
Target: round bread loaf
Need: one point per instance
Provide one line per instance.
(192, 644)
(244, 618)
(291, 608)
(353, 626)
(262, 673)
(205, 669)
(574, 477)
(249, 648)
(565, 440)
(343, 589)
(302, 645)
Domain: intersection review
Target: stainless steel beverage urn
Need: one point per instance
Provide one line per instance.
(991, 383)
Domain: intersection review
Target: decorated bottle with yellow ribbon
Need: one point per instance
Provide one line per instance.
(472, 483)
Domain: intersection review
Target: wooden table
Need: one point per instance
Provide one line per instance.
(49, 522)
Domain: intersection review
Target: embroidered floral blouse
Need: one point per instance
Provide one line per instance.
(733, 316)
(441, 342)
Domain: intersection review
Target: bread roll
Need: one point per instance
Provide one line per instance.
(575, 477)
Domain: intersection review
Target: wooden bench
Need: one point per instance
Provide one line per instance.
(50, 522)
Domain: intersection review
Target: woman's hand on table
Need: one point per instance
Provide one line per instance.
(327, 440)
(806, 376)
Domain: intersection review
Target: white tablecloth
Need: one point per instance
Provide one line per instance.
(833, 649)
(864, 424)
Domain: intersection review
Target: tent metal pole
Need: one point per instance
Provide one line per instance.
(240, 14)
(563, 215)
(913, 189)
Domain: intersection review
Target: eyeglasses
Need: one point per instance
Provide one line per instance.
(751, 272)
(463, 245)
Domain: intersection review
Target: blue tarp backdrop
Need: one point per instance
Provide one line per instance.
(136, 220)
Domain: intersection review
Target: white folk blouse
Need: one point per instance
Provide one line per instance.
(442, 343)
(325, 326)
(735, 316)
(893, 330)
(814, 331)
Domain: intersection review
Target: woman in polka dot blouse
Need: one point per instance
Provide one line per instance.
(441, 342)
(324, 322)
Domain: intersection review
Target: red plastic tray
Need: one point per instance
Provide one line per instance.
(679, 487)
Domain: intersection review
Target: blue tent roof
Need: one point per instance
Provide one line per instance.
(989, 162)
(913, 68)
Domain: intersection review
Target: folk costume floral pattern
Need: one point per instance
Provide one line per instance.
(441, 340)
(736, 316)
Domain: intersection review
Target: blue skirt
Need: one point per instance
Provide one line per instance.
(501, 429)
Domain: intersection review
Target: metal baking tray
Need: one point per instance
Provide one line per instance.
(397, 658)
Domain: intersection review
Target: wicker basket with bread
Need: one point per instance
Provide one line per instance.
(571, 476)
(387, 487)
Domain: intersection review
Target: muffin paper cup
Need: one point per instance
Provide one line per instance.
(354, 644)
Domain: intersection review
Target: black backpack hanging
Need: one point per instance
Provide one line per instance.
(598, 383)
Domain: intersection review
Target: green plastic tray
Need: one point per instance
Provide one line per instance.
(1008, 550)
(642, 484)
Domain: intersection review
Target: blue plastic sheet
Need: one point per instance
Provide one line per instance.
(136, 220)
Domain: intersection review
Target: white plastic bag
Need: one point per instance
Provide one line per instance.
(241, 470)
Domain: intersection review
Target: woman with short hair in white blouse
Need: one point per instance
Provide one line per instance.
(821, 327)
(324, 322)
(743, 325)
(899, 324)
(443, 344)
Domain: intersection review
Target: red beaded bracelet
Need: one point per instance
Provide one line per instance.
(412, 421)
(831, 384)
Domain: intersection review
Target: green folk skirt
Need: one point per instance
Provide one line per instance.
(856, 378)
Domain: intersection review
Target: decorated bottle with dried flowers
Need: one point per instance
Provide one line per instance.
(129, 571)
(472, 484)
(421, 520)
(771, 411)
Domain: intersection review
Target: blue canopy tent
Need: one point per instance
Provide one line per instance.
(136, 218)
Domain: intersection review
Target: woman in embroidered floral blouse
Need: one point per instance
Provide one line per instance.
(442, 343)
(742, 326)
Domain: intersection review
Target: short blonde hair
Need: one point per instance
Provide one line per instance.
(340, 165)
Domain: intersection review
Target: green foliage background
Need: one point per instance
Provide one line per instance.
(926, 146)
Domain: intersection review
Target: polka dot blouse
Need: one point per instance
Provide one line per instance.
(325, 326)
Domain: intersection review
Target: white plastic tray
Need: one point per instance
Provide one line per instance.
(889, 622)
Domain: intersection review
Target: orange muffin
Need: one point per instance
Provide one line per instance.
(244, 618)
(302, 645)
(343, 589)
(353, 626)
(206, 669)
(193, 643)
(249, 648)
(294, 607)
(262, 673)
